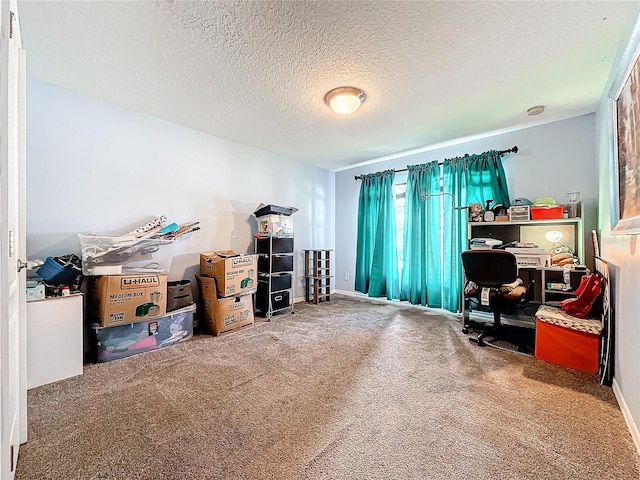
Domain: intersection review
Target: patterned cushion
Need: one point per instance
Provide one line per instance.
(557, 316)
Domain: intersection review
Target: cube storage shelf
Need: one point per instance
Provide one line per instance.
(275, 274)
(317, 274)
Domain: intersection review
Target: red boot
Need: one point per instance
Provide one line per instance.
(583, 283)
(581, 306)
(578, 292)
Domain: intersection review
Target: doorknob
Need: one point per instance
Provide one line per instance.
(29, 264)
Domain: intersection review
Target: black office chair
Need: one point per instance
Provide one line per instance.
(492, 281)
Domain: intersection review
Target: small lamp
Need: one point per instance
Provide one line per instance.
(345, 100)
(555, 236)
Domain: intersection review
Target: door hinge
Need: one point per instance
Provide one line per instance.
(11, 453)
(11, 244)
(12, 17)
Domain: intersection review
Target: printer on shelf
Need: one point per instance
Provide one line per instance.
(530, 257)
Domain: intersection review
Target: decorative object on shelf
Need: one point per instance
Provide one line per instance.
(475, 212)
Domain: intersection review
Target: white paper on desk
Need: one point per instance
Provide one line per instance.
(484, 297)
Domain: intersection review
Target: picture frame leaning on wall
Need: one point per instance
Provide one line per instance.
(625, 165)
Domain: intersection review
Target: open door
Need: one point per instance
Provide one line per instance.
(13, 388)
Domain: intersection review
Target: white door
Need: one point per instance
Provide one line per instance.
(13, 388)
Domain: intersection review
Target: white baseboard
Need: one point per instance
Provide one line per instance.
(341, 292)
(403, 303)
(349, 293)
(631, 424)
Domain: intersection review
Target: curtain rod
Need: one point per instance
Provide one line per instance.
(513, 149)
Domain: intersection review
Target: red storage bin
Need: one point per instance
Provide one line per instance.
(546, 213)
(566, 340)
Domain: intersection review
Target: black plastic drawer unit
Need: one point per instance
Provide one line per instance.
(279, 300)
(279, 281)
(278, 245)
(275, 263)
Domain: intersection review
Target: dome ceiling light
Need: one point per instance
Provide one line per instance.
(345, 100)
(537, 110)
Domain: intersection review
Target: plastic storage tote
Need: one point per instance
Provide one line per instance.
(105, 255)
(546, 213)
(112, 343)
(275, 225)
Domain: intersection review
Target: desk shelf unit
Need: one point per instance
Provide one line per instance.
(533, 231)
(317, 274)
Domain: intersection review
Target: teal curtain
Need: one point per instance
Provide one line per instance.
(472, 178)
(421, 277)
(377, 252)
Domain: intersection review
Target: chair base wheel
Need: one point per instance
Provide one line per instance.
(479, 340)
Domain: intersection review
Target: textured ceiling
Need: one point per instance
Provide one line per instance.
(256, 72)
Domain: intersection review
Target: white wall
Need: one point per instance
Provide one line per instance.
(94, 166)
(553, 159)
(623, 254)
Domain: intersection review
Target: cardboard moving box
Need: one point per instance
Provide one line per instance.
(117, 299)
(235, 274)
(226, 313)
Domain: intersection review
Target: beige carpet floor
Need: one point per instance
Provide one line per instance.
(349, 389)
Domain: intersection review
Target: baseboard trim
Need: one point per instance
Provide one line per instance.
(631, 424)
(364, 296)
(341, 292)
(333, 292)
(351, 294)
(386, 301)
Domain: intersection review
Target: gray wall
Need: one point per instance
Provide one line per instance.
(553, 159)
(94, 166)
(623, 254)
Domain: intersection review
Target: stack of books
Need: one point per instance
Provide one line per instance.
(484, 243)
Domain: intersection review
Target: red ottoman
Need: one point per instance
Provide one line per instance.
(566, 340)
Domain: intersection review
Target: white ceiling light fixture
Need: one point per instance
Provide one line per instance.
(537, 110)
(345, 100)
